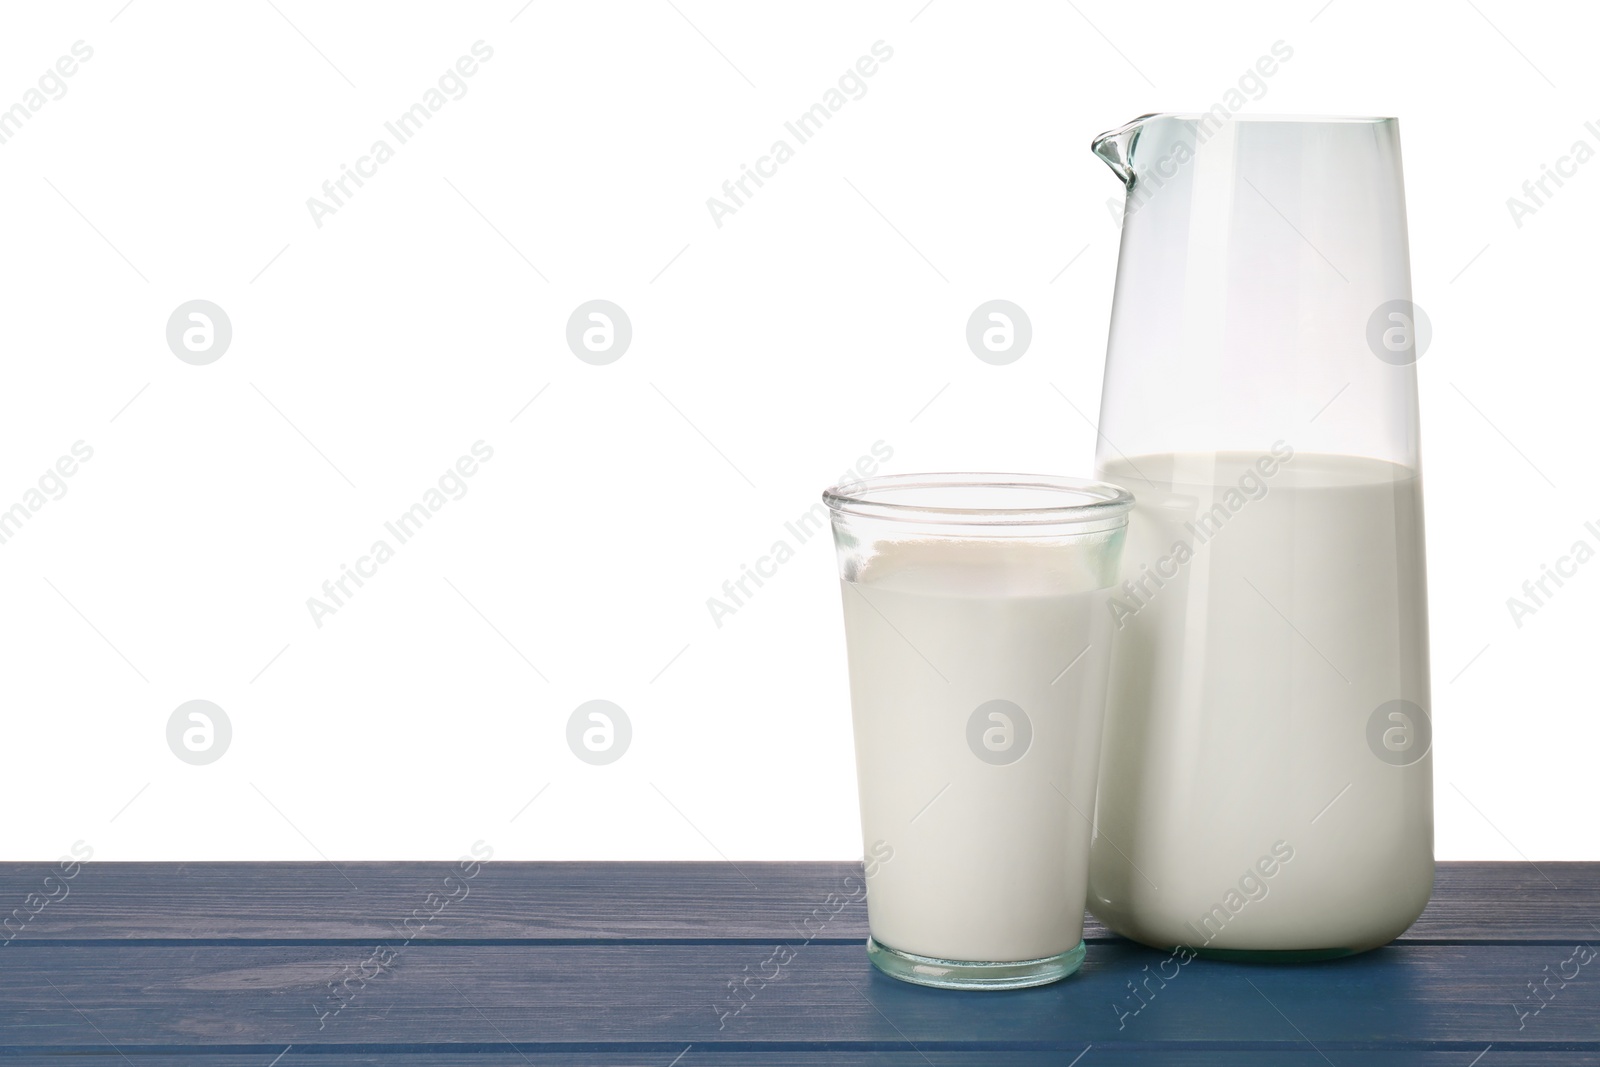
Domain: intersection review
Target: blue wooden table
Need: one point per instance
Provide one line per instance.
(687, 964)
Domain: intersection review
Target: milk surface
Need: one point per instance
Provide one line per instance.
(1243, 681)
(989, 856)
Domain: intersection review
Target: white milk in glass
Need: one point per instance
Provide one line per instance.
(1273, 604)
(962, 647)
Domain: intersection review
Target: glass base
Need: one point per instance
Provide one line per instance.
(955, 974)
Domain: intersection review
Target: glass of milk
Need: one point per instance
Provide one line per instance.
(976, 610)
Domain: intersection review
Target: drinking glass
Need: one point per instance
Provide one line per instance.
(976, 622)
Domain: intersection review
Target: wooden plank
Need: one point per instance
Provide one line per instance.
(637, 998)
(619, 901)
(698, 1056)
(1512, 901)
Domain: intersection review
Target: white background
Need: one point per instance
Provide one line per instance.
(768, 355)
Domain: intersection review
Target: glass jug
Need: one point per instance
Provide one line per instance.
(1266, 779)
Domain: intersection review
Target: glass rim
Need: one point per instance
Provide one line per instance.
(1084, 500)
(1296, 120)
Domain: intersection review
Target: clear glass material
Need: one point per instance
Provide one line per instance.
(1266, 784)
(979, 639)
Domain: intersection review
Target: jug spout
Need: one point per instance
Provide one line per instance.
(1116, 148)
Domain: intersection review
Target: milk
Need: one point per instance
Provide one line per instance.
(1245, 672)
(989, 851)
